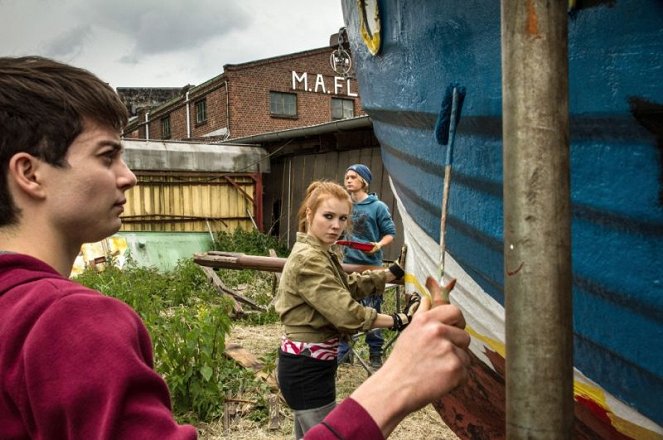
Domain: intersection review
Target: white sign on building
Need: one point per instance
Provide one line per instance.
(316, 83)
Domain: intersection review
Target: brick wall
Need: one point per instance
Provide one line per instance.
(245, 89)
(251, 84)
(216, 103)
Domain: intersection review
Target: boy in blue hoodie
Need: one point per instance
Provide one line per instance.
(371, 222)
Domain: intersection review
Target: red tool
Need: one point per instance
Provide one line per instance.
(362, 246)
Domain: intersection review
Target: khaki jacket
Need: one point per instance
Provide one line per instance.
(316, 299)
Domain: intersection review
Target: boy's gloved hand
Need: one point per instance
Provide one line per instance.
(376, 247)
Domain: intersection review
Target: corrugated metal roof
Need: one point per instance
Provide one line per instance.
(158, 155)
(312, 130)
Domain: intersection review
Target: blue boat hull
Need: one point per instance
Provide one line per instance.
(616, 125)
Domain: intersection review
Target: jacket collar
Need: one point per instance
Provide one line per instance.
(303, 237)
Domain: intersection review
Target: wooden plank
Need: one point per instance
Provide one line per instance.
(243, 357)
(275, 416)
(230, 260)
(249, 361)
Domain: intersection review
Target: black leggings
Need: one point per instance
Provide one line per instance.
(306, 383)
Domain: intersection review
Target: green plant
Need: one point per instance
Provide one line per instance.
(188, 323)
(249, 242)
(188, 347)
(269, 361)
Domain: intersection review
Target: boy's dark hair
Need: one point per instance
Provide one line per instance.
(43, 105)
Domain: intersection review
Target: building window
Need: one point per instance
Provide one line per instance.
(283, 104)
(201, 111)
(342, 108)
(165, 127)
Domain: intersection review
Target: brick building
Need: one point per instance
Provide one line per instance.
(295, 106)
(263, 96)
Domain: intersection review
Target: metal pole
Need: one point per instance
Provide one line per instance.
(537, 225)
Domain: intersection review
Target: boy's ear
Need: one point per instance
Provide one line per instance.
(24, 172)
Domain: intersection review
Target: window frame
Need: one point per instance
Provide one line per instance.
(166, 131)
(343, 102)
(281, 111)
(201, 111)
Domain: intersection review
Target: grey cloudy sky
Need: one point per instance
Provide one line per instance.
(164, 43)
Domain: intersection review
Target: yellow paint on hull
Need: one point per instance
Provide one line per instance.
(581, 389)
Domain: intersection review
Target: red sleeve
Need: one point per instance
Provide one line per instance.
(88, 374)
(347, 421)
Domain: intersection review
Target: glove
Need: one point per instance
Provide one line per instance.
(376, 247)
(401, 320)
(412, 305)
(397, 271)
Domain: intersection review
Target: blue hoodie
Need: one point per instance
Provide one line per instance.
(371, 221)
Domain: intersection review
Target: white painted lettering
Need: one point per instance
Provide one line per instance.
(350, 93)
(320, 82)
(338, 86)
(299, 79)
(300, 82)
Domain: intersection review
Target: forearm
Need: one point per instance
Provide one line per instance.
(383, 321)
(368, 282)
(429, 359)
(386, 240)
(387, 404)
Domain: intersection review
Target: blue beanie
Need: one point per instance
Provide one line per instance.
(362, 170)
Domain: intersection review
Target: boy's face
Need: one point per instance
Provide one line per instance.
(353, 182)
(85, 198)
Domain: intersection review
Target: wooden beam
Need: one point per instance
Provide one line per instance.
(230, 260)
(221, 287)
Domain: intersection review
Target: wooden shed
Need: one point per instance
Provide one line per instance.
(299, 156)
(186, 192)
(194, 187)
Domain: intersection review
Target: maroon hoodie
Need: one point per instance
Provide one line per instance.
(75, 364)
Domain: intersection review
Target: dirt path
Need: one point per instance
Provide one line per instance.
(261, 340)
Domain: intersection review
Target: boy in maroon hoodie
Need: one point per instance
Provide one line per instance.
(75, 364)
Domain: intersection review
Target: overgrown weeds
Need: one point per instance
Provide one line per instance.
(249, 242)
(189, 321)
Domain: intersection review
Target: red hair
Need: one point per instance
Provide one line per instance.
(317, 192)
